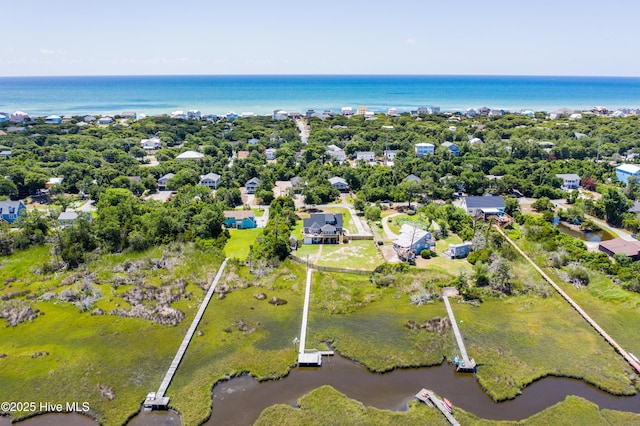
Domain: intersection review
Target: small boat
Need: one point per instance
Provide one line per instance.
(448, 404)
(634, 357)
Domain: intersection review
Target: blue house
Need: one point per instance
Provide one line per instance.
(10, 210)
(458, 251)
(452, 147)
(625, 171)
(239, 219)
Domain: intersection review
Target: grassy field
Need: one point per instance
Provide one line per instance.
(515, 340)
(612, 307)
(223, 350)
(327, 406)
(355, 255)
(240, 242)
(67, 355)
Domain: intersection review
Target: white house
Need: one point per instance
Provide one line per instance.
(252, 141)
(280, 115)
(347, 111)
(570, 181)
(413, 178)
(339, 183)
(212, 180)
(625, 171)
(194, 114)
(151, 144)
(412, 238)
(270, 153)
(336, 152)
(475, 141)
(392, 112)
(390, 154)
(424, 148)
(190, 155)
(105, 119)
(180, 115)
(470, 112)
(162, 182)
(366, 156)
(53, 119)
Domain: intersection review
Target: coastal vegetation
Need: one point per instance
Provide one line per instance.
(97, 308)
(325, 405)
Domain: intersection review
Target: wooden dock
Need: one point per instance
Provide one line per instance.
(309, 357)
(466, 364)
(160, 400)
(429, 398)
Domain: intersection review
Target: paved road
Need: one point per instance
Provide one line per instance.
(303, 129)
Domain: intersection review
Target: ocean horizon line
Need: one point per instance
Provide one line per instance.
(587, 76)
(264, 93)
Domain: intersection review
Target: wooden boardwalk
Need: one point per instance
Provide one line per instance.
(575, 306)
(187, 338)
(430, 399)
(466, 364)
(310, 357)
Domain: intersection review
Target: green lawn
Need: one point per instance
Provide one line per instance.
(240, 242)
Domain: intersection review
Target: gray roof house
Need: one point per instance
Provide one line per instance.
(339, 183)
(412, 177)
(212, 180)
(488, 204)
(162, 182)
(250, 186)
(322, 228)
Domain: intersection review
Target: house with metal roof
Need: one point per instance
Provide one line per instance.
(190, 155)
(413, 238)
(488, 204)
(625, 171)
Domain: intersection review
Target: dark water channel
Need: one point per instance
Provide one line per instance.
(240, 400)
(594, 236)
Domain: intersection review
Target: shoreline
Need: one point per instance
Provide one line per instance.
(261, 94)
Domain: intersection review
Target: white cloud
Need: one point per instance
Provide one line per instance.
(411, 41)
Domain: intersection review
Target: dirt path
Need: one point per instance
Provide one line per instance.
(574, 305)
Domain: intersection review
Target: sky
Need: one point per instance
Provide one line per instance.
(159, 37)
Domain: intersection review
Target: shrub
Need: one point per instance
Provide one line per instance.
(479, 256)
(425, 254)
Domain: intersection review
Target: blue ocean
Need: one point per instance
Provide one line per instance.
(261, 94)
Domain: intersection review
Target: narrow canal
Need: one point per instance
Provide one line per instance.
(240, 400)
